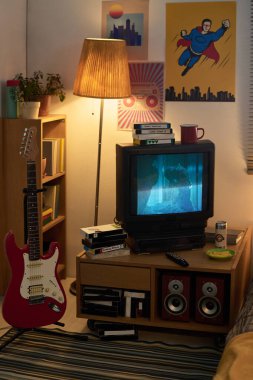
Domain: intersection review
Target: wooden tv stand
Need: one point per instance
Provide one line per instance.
(143, 273)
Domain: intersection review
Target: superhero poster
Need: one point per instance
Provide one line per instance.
(200, 51)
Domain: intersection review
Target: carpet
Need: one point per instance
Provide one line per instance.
(52, 354)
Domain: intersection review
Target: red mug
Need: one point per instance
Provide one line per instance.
(190, 133)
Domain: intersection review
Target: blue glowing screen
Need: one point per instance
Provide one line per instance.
(169, 183)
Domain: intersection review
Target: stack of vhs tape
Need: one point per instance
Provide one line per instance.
(153, 133)
(101, 301)
(108, 240)
(137, 304)
(112, 330)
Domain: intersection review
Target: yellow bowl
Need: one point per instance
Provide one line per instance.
(220, 253)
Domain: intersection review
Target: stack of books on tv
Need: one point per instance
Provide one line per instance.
(153, 133)
(101, 301)
(233, 235)
(108, 240)
(112, 331)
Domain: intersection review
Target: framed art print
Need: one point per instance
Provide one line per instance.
(146, 103)
(200, 51)
(127, 20)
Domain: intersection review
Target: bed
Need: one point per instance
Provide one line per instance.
(237, 358)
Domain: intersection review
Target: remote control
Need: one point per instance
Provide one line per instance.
(177, 259)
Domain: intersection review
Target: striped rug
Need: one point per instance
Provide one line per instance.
(49, 354)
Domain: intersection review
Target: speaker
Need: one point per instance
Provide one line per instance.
(175, 296)
(210, 300)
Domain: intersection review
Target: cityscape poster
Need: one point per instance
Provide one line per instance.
(127, 20)
(200, 51)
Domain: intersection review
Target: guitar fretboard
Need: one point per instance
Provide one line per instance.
(32, 212)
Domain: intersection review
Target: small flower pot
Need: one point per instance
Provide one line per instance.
(29, 110)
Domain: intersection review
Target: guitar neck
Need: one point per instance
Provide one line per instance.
(32, 212)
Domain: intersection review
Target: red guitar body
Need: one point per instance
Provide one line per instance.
(35, 296)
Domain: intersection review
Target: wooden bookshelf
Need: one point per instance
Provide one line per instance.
(14, 174)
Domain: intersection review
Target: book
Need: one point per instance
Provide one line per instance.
(107, 238)
(140, 307)
(51, 199)
(50, 153)
(152, 125)
(96, 251)
(111, 325)
(62, 156)
(100, 297)
(47, 211)
(112, 330)
(131, 293)
(53, 151)
(100, 311)
(47, 215)
(100, 302)
(159, 136)
(149, 131)
(101, 291)
(128, 295)
(104, 255)
(233, 235)
(102, 230)
(46, 219)
(98, 244)
(152, 141)
(118, 334)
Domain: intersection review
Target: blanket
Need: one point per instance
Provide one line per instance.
(237, 359)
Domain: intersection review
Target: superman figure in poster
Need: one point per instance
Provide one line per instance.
(200, 41)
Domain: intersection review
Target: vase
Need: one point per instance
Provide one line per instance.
(45, 101)
(29, 110)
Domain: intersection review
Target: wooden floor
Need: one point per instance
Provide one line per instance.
(74, 324)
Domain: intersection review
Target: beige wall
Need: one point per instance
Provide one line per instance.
(13, 59)
(12, 42)
(56, 29)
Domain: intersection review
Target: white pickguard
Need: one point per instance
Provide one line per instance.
(39, 278)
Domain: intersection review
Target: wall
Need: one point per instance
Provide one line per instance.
(12, 42)
(56, 30)
(13, 59)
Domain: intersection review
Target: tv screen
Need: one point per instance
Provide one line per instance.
(165, 191)
(168, 184)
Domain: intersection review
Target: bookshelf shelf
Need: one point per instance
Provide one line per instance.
(53, 223)
(15, 180)
(50, 178)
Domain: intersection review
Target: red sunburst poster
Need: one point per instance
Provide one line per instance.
(146, 104)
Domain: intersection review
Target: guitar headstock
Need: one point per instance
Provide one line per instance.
(28, 148)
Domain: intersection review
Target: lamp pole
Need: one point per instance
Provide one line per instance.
(99, 161)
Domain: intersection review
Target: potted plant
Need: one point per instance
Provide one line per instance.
(53, 87)
(37, 89)
(26, 94)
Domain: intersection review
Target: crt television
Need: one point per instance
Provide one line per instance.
(165, 194)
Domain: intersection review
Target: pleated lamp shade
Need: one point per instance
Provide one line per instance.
(103, 70)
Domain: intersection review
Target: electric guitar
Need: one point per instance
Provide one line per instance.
(35, 296)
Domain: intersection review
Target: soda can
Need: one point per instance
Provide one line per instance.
(221, 234)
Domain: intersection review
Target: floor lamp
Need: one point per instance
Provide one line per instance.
(103, 72)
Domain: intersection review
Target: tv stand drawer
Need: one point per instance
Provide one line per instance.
(115, 276)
